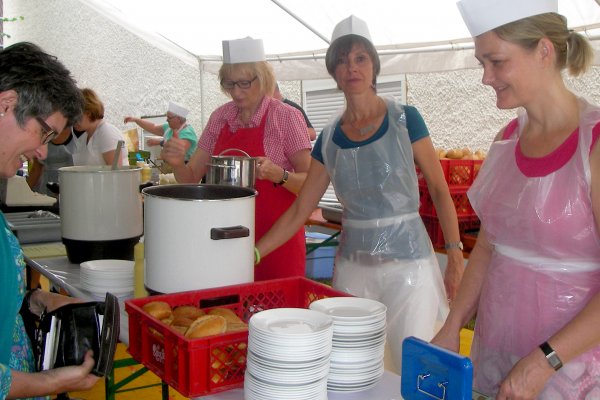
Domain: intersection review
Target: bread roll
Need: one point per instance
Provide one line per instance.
(236, 326)
(158, 309)
(184, 322)
(226, 313)
(191, 312)
(206, 325)
(455, 154)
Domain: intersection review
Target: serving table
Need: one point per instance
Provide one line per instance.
(66, 276)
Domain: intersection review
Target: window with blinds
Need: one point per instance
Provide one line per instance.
(322, 99)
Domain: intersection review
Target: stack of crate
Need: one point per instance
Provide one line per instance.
(459, 175)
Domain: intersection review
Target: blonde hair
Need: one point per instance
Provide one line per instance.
(92, 104)
(573, 50)
(261, 69)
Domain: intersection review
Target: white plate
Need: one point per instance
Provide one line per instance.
(349, 307)
(291, 321)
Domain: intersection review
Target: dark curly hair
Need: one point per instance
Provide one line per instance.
(43, 84)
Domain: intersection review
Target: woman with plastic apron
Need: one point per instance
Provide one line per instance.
(384, 253)
(263, 127)
(533, 277)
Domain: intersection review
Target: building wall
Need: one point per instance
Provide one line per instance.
(134, 77)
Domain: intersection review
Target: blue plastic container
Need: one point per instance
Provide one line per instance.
(319, 263)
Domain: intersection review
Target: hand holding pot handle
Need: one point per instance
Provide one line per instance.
(268, 170)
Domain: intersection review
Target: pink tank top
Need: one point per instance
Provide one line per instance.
(542, 166)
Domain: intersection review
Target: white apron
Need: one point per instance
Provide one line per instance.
(385, 253)
(545, 266)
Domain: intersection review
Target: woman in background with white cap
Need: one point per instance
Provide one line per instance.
(533, 278)
(176, 123)
(263, 127)
(368, 151)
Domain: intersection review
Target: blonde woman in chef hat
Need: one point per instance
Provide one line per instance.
(533, 279)
(176, 123)
(258, 124)
(368, 151)
(38, 98)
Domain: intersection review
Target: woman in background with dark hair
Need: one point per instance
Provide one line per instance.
(368, 151)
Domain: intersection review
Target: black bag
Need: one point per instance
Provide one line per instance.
(64, 335)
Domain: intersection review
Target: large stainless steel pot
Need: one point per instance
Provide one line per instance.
(100, 212)
(232, 170)
(198, 236)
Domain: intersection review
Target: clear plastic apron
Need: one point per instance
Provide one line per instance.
(545, 266)
(385, 253)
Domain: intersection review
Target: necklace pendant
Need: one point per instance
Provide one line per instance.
(365, 129)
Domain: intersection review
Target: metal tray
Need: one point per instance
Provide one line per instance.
(35, 227)
(332, 212)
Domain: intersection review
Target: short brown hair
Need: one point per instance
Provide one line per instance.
(343, 45)
(93, 106)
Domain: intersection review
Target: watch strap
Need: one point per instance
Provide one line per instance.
(454, 245)
(284, 178)
(551, 356)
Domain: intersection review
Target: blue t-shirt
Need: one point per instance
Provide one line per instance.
(414, 123)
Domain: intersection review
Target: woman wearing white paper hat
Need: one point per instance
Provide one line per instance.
(533, 278)
(176, 123)
(368, 151)
(263, 127)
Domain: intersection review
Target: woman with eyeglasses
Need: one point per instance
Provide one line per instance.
(97, 144)
(38, 98)
(263, 127)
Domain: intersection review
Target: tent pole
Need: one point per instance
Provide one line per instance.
(306, 25)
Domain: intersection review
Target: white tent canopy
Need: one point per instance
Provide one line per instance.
(411, 36)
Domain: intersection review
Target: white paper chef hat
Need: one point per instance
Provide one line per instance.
(178, 109)
(351, 26)
(482, 16)
(243, 51)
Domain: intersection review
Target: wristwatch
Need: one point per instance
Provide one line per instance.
(454, 245)
(551, 356)
(285, 177)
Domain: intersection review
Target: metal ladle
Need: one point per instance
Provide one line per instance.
(115, 162)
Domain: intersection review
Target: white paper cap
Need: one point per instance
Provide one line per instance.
(243, 51)
(178, 109)
(351, 26)
(482, 16)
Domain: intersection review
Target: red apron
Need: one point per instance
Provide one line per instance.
(272, 201)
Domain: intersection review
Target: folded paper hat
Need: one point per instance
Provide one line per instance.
(482, 16)
(351, 26)
(178, 109)
(244, 50)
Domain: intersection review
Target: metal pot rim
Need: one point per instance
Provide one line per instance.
(245, 192)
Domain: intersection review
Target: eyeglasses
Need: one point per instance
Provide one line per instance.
(47, 132)
(241, 84)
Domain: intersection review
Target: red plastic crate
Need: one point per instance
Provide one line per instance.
(198, 367)
(456, 172)
(459, 198)
(434, 229)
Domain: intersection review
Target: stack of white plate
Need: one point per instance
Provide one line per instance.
(101, 276)
(358, 342)
(288, 355)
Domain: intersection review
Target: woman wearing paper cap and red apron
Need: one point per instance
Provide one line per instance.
(263, 127)
(533, 279)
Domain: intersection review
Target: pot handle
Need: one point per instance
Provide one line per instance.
(241, 151)
(229, 232)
